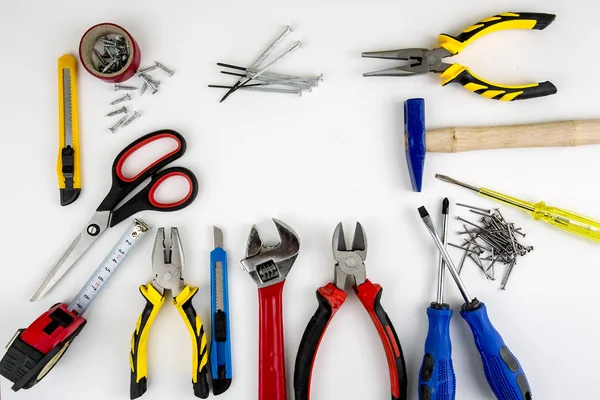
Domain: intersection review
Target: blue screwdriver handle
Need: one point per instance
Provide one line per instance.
(436, 378)
(220, 348)
(502, 369)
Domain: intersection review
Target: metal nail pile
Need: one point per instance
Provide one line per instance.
(114, 55)
(260, 79)
(490, 242)
(148, 83)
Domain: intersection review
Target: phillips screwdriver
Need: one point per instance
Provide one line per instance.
(436, 378)
(563, 219)
(504, 374)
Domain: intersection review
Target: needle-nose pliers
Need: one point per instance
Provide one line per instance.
(349, 264)
(422, 61)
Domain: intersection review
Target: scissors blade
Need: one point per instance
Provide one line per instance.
(88, 235)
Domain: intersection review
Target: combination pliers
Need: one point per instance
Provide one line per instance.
(422, 61)
(167, 267)
(349, 264)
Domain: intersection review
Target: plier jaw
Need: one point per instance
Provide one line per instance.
(349, 263)
(420, 61)
(167, 262)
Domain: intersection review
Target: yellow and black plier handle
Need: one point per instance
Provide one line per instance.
(139, 340)
(421, 61)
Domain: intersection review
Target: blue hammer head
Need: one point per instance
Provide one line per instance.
(414, 140)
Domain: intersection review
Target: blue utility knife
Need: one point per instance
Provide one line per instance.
(220, 349)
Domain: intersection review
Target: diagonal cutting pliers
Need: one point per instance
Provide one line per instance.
(349, 264)
(167, 267)
(422, 61)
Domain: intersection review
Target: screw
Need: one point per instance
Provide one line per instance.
(144, 87)
(151, 83)
(167, 70)
(122, 110)
(118, 124)
(127, 97)
(152, 68)
(133, 117)
(100, 58)
(109, 66)
(123, 87)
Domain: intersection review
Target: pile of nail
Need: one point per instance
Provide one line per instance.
(490, 242)
(260, 79)
(148, 83)
(114, 56)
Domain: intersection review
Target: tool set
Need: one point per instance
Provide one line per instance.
(108, 214)
(220, 347)
(349, 264)
(167, 268)
(109, 53)
(504, 374)
(495, 235)
(69, 159)
(422, 61)
(255, 75)
(269, 266)
(34, 351)
(458, 139)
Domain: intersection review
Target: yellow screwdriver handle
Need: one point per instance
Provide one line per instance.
(568, 221)
(563, 219)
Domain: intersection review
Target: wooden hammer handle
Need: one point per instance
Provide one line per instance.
(553, 134)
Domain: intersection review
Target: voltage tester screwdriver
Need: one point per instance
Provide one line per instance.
(436, 378)
(504, 374)
(563, 219)
(34, 351)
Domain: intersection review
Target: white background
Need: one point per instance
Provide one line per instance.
(332, 155)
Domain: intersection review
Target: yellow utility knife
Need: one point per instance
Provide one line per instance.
(67, 167)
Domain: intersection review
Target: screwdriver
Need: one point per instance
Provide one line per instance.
(563, 219)
(436, 378)
(504, 374)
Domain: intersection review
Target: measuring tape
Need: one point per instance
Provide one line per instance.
(34, 351)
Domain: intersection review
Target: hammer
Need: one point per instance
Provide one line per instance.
(455, 139)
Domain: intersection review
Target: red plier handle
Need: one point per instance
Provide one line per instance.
(330, 300)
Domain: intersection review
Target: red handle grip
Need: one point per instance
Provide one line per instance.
(370, 296)
(271, 361)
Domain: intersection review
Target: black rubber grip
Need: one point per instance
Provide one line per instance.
(397, 359)
(138, 388)
(309, 346)
(541, 22)
(201, 388)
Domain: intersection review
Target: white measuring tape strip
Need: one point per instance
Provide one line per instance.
(108, 267)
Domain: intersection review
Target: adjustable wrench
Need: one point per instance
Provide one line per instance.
(268, 266)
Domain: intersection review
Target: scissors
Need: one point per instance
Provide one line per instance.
(108, 215)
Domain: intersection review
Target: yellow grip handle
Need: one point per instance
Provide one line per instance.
(504, 21)
(457, 73)
(568, 221)
(139, 340)
(184, 305)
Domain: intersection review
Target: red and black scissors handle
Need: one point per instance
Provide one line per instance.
(330, 299)
(122, 185)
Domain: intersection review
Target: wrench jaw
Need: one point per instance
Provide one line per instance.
(268, 265)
